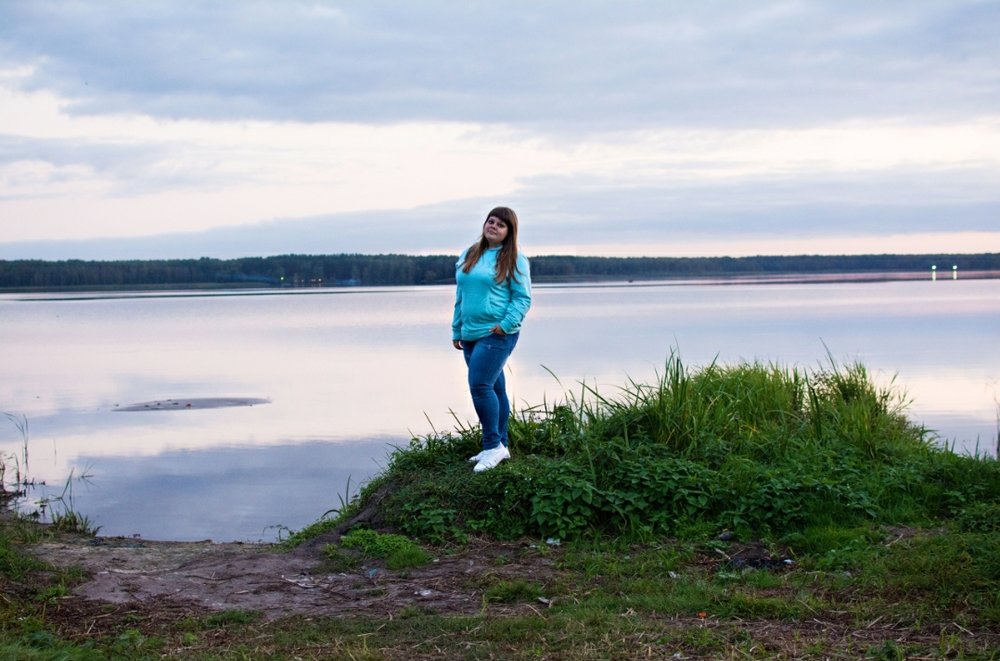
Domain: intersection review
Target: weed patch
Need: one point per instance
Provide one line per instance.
(397, 551)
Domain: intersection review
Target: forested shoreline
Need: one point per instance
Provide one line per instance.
(405, 270)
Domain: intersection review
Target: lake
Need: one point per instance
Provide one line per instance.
(241, 415)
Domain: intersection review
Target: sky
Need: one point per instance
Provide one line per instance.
(225, 128)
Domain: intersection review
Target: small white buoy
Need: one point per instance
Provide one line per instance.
(933, 272)
(954, 272)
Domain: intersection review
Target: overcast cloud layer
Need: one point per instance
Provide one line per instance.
(179, 129)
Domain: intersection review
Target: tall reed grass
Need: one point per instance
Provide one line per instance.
(13, 461)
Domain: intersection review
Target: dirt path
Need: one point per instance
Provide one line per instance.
(263, 578)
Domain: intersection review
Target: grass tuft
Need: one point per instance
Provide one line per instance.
(397, 551)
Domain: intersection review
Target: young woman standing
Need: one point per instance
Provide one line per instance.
(493, 293)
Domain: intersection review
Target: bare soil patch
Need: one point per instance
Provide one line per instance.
(205, 576)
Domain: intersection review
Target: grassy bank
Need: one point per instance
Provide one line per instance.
(745, 511)
(759, 450)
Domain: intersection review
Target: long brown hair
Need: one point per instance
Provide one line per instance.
(507, 259)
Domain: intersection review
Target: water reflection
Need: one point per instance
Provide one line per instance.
(338, 366)
(225, 493)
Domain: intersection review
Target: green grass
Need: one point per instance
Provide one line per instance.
(397, 551)
(882, 544)
(756, 449)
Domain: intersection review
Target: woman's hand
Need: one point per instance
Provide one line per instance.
(457, 344)
(497, 330)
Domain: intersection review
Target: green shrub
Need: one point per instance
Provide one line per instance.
(565, 502)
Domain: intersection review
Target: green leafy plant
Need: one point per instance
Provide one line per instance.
(979, 517)
(565, 502)
(430, 521)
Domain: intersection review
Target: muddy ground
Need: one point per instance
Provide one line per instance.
(275, 582)
(206, 576)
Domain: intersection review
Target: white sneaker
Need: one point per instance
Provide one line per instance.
(476, 457)
(491, 458)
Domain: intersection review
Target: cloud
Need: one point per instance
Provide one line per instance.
(552, 64)
(302, 126)
(189, 175)
(586, 218)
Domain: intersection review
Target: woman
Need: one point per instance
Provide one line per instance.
(493, 294)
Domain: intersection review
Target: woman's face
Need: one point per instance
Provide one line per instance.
(495, 230)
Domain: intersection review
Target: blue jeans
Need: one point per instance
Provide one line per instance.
(486, 358)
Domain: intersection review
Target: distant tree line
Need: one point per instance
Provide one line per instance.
(375, 270)
(581, 268)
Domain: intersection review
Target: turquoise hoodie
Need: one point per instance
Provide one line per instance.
(482, 303)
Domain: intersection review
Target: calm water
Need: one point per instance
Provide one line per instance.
(348, 374)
